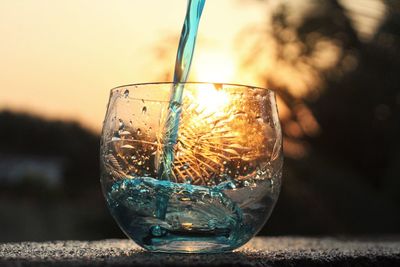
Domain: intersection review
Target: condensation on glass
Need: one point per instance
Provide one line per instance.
(226, 167)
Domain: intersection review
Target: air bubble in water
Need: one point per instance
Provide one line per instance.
(144, 110)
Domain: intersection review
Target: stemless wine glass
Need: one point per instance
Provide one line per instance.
(225, 173)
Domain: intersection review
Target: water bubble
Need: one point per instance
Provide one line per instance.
(116, 137)
(121, 124)
(126, 93)
(123, 186)
(139, 132)
(157, 230)
(144, 110)
(261, 171)
(188, 180)
(130, 122)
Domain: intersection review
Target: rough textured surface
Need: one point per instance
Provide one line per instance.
(287, 251)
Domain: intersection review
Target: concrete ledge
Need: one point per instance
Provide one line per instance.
(286, 251)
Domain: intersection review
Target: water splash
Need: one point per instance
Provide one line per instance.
(160, 210)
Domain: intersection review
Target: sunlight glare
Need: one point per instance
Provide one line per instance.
(214, 67)
(211, 100)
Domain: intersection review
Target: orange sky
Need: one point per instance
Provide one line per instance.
(60, 58)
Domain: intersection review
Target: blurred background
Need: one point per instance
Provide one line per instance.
(334, 64)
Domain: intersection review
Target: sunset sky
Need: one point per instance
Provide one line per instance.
(59, 59)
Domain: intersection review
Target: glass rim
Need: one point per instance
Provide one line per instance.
(193, 83)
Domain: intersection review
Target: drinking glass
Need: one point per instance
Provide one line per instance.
(225, 171)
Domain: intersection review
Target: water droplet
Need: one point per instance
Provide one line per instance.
(121, 125)
(144, 110)
(139, 132)
(127, 146)
(130, 122)
(125, 133)
(157, 230)
(126, 93)
(188, 180)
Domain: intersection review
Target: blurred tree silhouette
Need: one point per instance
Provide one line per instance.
(28, 135)
(339, 100)
(74, 210)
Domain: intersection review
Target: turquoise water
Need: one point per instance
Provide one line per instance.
(183, 62)
(166, 216)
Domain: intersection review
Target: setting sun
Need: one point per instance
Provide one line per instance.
(214, 67)
(211, 100)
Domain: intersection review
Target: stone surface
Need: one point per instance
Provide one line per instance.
(278, 251)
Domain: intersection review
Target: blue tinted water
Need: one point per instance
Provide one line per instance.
(166, 216)
(183, 62)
